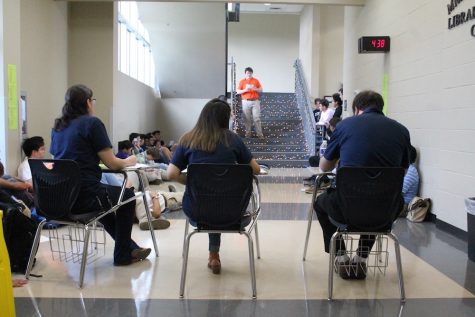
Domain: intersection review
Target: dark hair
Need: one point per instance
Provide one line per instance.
(317, 100)
(412, 154)
(334, 121)
(248, 69)
(324, 102)
(156, 131)
(154, 152)
(75, 105)
(336, 98)
(133, 135)
(32, 144)
(2, 169)
(211, 127)
(124, 145)
(368, 99)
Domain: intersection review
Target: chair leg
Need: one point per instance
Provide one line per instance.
(186, 248)
(399, 266)
(258, 249)
(34, 248)
(251, 264)
(309, 226)
(331, 263)
(187, 225)
(84, 255)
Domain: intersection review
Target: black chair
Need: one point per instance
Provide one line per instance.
(57, 184)
(370, 200)
(219, 196)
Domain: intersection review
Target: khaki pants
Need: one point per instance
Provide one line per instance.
(252, 111)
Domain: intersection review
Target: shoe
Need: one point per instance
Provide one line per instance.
(310, 189)
(260, 136)
(157, 224)
(173, 204)
(248, 135)
(140, 254)
(352, 270)
(214, 263)
(172, 188)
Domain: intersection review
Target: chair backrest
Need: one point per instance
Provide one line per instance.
(56, 184)
(370, 197)
(219, 194)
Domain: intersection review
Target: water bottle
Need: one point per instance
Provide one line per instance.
(323, 148)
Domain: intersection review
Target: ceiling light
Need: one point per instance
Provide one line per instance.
(267, 4)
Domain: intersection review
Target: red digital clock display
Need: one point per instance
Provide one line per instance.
(374, 44)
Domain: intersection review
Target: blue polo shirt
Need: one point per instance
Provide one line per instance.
(369, 139)
(80, 141)
(235, 152)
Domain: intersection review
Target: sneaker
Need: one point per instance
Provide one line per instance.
(172, 188)
(260, 136)
(214, 263)
(173, 204)
(157, 224)
(248, 135)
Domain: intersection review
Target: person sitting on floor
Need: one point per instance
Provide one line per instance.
(124, 149)
(410, 186)
(33, 147)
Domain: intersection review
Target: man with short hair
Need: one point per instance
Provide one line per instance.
(368, 139)
(34, 148)
(249, 88)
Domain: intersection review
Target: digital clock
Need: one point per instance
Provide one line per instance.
(374, 44)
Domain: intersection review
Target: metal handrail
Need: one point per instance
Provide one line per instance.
(304, 103)
(234, 100)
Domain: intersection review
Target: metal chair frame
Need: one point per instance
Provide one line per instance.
(255, 200)
(342, 231)
(88, 225)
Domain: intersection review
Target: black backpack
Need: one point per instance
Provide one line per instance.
(19, 231)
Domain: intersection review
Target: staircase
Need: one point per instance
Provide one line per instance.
(284, 142)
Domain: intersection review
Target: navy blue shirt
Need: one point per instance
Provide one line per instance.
(81, 141)
(369, 139)
(235, 152)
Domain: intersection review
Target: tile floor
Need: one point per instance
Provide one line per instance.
(440, 281)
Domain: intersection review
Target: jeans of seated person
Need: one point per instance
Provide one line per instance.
(215, 238)
(118, 224)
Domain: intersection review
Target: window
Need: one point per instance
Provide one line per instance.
(135, 51)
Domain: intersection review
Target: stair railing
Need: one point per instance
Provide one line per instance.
(234, 100)
(304, 103)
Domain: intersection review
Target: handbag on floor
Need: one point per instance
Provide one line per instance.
(417, 209)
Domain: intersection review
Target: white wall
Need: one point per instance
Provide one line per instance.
(188, 43)
(268, 43)
(178, 115)
(431, 86)
(309, 47)
(90, 52)
(331, 49)
(135, 108)
(44, 62)
(11, 55)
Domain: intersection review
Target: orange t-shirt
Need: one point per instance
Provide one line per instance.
(251, 94)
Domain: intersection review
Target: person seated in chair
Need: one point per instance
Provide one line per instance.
(368, 139)
(210, 141)
(80, 136)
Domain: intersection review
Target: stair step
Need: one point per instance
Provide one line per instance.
(277, 148)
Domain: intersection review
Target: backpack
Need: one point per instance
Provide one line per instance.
(19, 231)
(417, 209)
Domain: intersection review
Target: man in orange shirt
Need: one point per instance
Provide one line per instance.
(249, 89)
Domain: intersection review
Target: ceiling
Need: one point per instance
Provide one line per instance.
(271, 8)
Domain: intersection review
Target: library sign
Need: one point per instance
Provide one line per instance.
(460, 18)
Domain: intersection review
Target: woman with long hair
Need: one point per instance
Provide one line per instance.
(210, 141)
(80, 136)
